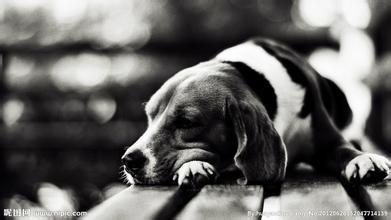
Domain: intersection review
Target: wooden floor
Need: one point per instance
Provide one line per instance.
(302, 196)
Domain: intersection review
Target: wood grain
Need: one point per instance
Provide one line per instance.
(224, 202)
(319, 196)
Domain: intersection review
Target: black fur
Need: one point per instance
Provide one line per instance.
(333, 98)
(336, 103)
(295, 72)
(260, 85)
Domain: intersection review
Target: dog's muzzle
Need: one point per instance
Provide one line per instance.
(134, 162)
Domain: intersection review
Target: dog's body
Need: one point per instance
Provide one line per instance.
(257, 106)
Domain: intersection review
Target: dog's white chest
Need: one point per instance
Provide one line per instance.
(290, 96)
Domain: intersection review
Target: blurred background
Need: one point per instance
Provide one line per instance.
(74, 75)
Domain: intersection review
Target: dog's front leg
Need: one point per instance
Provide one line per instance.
(195, 173)
(335, 154)
(354, 165)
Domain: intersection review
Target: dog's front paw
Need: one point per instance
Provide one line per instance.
(195, 173)
(367, 168)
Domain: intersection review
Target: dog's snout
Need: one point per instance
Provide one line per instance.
(134, 161)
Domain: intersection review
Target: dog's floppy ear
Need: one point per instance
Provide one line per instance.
(261, 153)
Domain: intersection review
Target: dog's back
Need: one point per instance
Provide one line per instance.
(293, 118)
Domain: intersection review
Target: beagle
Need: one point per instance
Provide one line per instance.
(256, 108)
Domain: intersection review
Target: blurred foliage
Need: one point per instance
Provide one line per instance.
(133, 24)
(113, 23)
(86, 86)
(380, 80)
(379, 122)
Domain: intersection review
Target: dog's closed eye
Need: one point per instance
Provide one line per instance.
(186, 123)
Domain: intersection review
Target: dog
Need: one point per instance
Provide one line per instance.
(256, 108)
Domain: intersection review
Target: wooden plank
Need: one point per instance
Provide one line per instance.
(302, 197)
(380, 196)
(138, 202)
(224, 202)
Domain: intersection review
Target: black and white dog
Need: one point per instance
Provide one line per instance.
(257, 107)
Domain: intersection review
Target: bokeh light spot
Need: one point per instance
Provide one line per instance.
(102, 108)
(81, 73)
(318, 13)
(12, 111)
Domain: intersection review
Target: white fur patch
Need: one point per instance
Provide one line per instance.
(129, 178)
(150, 167)
(290, 96)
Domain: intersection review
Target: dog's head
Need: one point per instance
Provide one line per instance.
(206, 113)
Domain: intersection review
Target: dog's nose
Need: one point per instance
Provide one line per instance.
(134, 161)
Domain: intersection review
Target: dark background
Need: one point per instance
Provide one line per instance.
(74, 75)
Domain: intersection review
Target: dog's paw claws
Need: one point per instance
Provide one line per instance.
(367, 168)
(195, 173)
